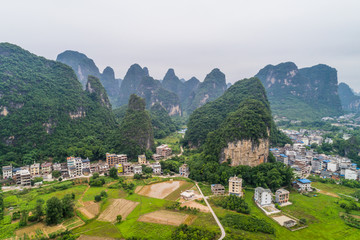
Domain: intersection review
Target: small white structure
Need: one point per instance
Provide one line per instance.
(156, 168)
(188, 194)
(137, 169)
(350, 174)
(263, 196)
(7, 172)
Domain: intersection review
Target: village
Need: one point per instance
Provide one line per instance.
(76, 167)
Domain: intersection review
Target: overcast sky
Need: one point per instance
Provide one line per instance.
(191, 36)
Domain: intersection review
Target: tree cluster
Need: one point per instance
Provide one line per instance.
(232, 202)
(57, 210)
(247, 223)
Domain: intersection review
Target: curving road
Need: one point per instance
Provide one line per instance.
(213, 213)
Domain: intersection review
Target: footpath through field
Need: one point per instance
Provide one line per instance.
(213, 213)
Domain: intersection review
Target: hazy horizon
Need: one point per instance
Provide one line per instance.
(193, 37)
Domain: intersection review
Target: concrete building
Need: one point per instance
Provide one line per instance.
(350, 174)
(7, 172)
(137, 169)
(46, 168)
(282, 196)
(303, 185)
(74, 166)
(142, 159)
(235, 186)
(263, 196)
(217, 189)
(157, 157)
(332, 166)
(187, 195)
(35, 169)
(156, 168)
(23, 178)
(113, 159)
(56, 167)
(289, 223)
(184, 170)
(163, 150)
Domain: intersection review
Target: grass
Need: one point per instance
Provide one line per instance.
(176, 194)
(92, 192)
(205, 188)
(334, 188)
(98, 228)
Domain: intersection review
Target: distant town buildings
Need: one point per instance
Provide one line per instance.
(113, 159)
(235, 186)
(163, 150)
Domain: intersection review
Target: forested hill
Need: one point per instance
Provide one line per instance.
(136, 132)
(349, 101)
(209, 117)
(44, 112)
(84, 67)
(303, 94)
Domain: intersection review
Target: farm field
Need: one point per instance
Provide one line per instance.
(334, 188)
(164, 217)
(160, 190)
(117, 207)
(90, 209)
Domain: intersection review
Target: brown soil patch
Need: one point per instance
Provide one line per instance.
(117, 207)
(329, 193)
(160, 190)
(138, 188)
(164, 217)
(193, 204)
(31, 230)
(90, 209)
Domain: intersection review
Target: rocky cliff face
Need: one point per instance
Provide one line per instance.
(97, 92)
(84, 67)
(246, 152)
(313, 90)
(130, 83)
(214, 86)
(139, 82)
(349, 101)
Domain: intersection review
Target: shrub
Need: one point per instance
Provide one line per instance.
(97, 198)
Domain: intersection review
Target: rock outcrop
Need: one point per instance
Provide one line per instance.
(246, 152)
(349, 101)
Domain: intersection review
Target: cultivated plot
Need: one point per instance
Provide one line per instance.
(160, 190)
(164, 217)
(117, 207)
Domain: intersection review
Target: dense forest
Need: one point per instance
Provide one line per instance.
(46, 113)
(209, 117)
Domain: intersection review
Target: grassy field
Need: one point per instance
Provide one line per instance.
(334, 188)
(97, 228)
(205, 188)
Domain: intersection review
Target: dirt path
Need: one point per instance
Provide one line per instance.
(327, 193)
(81, 198)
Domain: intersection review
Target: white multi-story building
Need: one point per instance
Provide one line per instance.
(235, 186)
(350, 174)
(332, 166)
(156, 168)
(35, 169)
(7, 172)
(75, 166)
(263, 196)
(304, 185)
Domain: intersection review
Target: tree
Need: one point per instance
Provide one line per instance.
(97, 198)
(68, 206)
(23, 218)
(147, 169)
(54, 211)
(118, 218)
(96, 175)
(39, 211)
(113, 173)
(56, 174)
(103, 194)
(1, 207)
